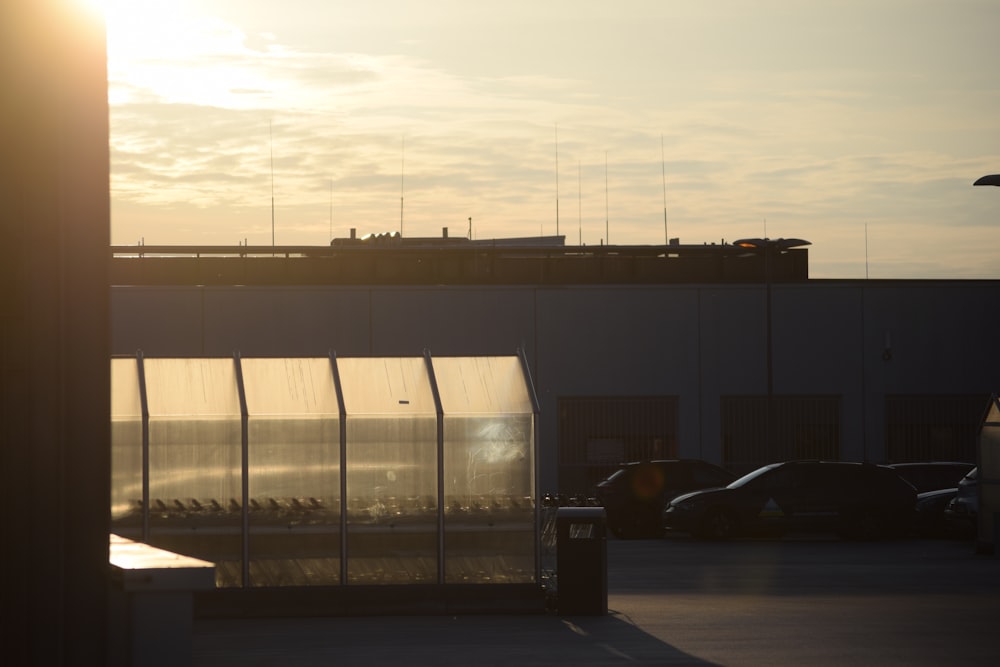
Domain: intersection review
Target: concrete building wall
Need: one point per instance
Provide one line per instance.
(697, 343)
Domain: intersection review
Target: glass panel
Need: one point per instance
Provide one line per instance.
(482, 385)
(294, 472)
(395, 386)
(391, 468)
(488, 470)
(126, 449)
(195, 461)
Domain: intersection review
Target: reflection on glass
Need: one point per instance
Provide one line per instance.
(126, 449)
(488, 470)
(489, 508)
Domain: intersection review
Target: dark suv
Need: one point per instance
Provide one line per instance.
(856, 500)
(634, 496)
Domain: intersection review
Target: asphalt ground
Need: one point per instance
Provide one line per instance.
(678, 601)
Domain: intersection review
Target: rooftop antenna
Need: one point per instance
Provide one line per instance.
(866, 251)
(270, 134)
(579, 200)
(402, 162)
(331, 209)
(557, 179)
(663, 168)
(606, 231)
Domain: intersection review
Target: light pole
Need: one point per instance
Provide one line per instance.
(982, 528)
(769, 248)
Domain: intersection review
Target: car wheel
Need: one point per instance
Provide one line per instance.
(718, 524)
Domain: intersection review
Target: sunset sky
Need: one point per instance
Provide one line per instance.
(859, 126)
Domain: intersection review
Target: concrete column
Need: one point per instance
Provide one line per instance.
(54, 332)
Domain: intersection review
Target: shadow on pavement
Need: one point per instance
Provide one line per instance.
(441, 641)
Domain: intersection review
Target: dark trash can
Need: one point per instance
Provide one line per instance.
(582, 560)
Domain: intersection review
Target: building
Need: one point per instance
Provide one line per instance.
(715, 351)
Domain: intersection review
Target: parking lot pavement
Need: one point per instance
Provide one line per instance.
(815, 601)
(678, 601)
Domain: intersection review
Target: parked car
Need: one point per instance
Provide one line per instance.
(929, 518)
(933, 475)
(963, 509)
(634, 496)
(856, 500)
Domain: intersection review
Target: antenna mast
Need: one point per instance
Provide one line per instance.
(402, 162)
(557, 179)
(866, 251)
(579, 200)
(607, 232)
(663, 168)
(270, 134)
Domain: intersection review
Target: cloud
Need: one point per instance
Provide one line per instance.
(749, 117)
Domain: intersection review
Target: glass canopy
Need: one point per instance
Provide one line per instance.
(330, 471)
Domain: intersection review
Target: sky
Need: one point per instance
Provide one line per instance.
(858, 126)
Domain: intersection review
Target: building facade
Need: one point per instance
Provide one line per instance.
(735, 373)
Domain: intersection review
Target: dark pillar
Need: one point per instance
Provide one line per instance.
(54, 340)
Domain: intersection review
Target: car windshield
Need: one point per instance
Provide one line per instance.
(749, 477)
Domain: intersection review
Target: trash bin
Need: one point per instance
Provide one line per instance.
(582, 560)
